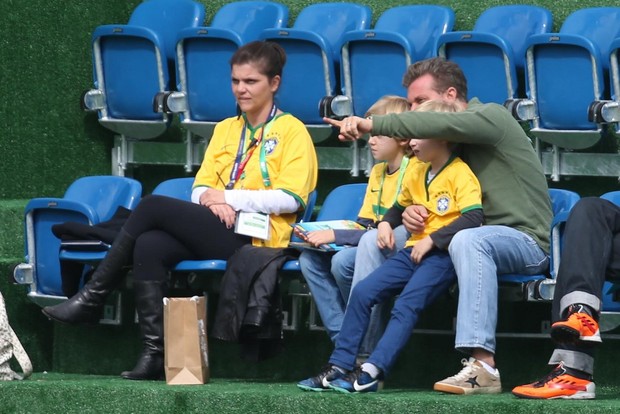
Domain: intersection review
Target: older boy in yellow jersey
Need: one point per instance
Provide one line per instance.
(419, 273)
(329, 276)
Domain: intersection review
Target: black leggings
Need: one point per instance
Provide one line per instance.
(168, 231)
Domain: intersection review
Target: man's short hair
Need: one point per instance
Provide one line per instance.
(445, 73)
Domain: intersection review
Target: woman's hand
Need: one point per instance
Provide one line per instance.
(225, 213)
(421, 248)
(351, 128)
(212, 197)
(385, 236)
(414, 217)
(319, 237)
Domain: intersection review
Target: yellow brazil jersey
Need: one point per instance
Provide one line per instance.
(454, 190)
(378, 199)
(290, 160)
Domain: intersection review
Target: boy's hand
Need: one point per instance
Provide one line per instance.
(414, 218)
(421, 248)
(300, 234)
(385, 236)
(319, 237)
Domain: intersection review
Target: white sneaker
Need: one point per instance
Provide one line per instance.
(473, 379)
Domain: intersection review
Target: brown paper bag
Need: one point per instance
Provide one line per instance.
(185, 340)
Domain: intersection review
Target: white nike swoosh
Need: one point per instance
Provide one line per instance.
(358, 387)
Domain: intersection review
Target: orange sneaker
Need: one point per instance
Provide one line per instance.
(579, 326)
(557, 384)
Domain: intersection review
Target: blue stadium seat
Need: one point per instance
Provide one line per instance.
(492, 55)
(180, 188)
(88, 200)
(374, 61)
(343, 202)
(312, 46)
(536, 287)
(203, 55)
(131, 64)
(614, 72)
(566, 75)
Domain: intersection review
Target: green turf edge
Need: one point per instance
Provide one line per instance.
(67, 393)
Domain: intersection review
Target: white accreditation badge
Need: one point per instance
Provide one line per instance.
(253, 225)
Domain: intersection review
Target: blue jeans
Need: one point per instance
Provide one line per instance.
(330, 278)
(479, 255)
(417, 286)
(368, 258)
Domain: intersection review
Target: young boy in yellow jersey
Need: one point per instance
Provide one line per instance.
(419, 273)
(329, 276)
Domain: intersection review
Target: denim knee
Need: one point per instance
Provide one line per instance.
(463, 241)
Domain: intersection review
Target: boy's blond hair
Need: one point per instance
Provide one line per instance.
(441, 106)
(438, 106)
(389, 104)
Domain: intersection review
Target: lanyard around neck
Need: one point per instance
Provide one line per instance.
(399, 182)
(241, 161)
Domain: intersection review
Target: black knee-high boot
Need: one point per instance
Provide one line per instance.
(86, 305)
(150, 308)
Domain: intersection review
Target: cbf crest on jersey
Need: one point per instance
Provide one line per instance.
(270, 145)
(443, 204)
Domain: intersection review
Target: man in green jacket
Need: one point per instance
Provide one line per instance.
(515, 238)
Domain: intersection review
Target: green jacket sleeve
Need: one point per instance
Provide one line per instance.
(476, 125)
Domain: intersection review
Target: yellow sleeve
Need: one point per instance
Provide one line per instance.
(468, 192)
(411, 184)
(215, 169)
(372, 192)
(298, 169)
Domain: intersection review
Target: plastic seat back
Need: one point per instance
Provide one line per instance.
(131, 65)
(203, 59)
(343, 202)
(88, 200)
(562, 201)
(312, 48)
(180, 188)
(249, 18)
(105, 193)
(613, 196)
(566, 73)
(129, 69)
(167, 18)
(374, 61)
(492, 55)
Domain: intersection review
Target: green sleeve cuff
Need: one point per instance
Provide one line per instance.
(472, 207)
(301, 202)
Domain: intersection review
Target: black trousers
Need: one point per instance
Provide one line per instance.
(168, 231)
(590, 255)
(590, 251)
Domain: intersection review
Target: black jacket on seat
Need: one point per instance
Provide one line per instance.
(249, 309)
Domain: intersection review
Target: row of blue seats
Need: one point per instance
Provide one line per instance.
(332, 50)
(94, 199)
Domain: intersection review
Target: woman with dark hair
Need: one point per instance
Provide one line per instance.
(260, 165)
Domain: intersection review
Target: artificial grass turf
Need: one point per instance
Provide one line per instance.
(71, 393)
